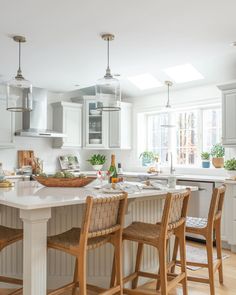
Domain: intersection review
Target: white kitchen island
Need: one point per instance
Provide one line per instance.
(63, 207)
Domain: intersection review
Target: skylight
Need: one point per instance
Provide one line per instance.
(145, 81)
(183, 73)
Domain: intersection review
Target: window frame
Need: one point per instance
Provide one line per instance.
(199, 109)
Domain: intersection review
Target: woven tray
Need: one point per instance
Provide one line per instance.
(64, 182)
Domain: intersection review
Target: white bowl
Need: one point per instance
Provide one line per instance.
(95, 112)
(97, 167)
(95, 141)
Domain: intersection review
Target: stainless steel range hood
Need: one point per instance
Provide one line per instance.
(34, 123)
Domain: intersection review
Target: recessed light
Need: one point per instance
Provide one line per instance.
(76, 85)
(183, 73)
(145, 81)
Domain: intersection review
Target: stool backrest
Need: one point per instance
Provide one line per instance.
(216, 206)
(103, 216)
(175, 210)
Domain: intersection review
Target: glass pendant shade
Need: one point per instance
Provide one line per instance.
(19, 95)
(108, 94)
(19, 90)
(108, 90)
(168, 109)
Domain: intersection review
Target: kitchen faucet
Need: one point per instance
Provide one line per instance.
(172, 169)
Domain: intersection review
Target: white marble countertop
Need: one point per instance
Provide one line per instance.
(30, 195)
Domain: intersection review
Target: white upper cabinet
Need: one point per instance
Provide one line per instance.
(120, 127)
(95, 125)
(7, 122)
(106, 130)
(67, 118)
(228, 114)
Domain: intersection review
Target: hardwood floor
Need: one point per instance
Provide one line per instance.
(229, 287)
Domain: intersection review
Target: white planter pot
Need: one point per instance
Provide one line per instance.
(97, 167)
(232, 174)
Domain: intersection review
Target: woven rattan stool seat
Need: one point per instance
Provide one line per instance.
(9, 235)
(70, 239)
(196, 222)
(142, 231)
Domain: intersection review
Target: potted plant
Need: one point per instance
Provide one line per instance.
(218, 153)
(230, 166)
(205, 156)
(97, 161)
(147, 157)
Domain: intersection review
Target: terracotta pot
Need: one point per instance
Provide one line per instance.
(218, 162)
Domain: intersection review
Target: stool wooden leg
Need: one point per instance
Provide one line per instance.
(75, 277)
(182, 249)
(113, 273)
(158, 285)
(118, 263)
(139, 256)
(219, 250)
(175, 253)
(163, 268)
(209, 246)
(81, 275)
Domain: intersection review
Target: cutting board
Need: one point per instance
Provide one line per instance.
(25, 158)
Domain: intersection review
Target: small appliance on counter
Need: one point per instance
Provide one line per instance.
(69, 163)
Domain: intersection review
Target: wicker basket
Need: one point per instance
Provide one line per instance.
(64, 182)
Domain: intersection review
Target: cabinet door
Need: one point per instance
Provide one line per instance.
(72, 125)
(228, 117)
(96, 126)
(120, 127)
(6, 126)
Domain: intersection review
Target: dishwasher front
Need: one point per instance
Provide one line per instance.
(199, 202)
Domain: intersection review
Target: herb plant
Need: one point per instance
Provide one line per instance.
(230, 164)
(217, 151)
(97, 159)
(205, 156)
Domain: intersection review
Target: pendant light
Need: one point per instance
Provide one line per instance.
(108, 93)
(168, 107)
(19, 90)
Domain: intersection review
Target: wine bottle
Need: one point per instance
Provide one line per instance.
(112, 169)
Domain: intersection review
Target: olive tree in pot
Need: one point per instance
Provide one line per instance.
(218, 153)
(230, 166)
(205, 156)
(97, 161)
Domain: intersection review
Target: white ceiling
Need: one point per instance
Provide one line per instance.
(64, 47)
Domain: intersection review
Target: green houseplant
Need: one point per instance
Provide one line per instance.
(218, 153)
(205, 156)
(147, 157)
(230, 166)
(97, 161)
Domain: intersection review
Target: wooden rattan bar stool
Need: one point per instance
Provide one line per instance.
(102, 223)
(9, 236)
(206, 227)
(158, 235)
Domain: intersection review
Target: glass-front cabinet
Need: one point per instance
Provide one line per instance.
(96, 122)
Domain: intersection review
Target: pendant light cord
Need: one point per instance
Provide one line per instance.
(108, 54)
(168, 96)
(19, 73)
